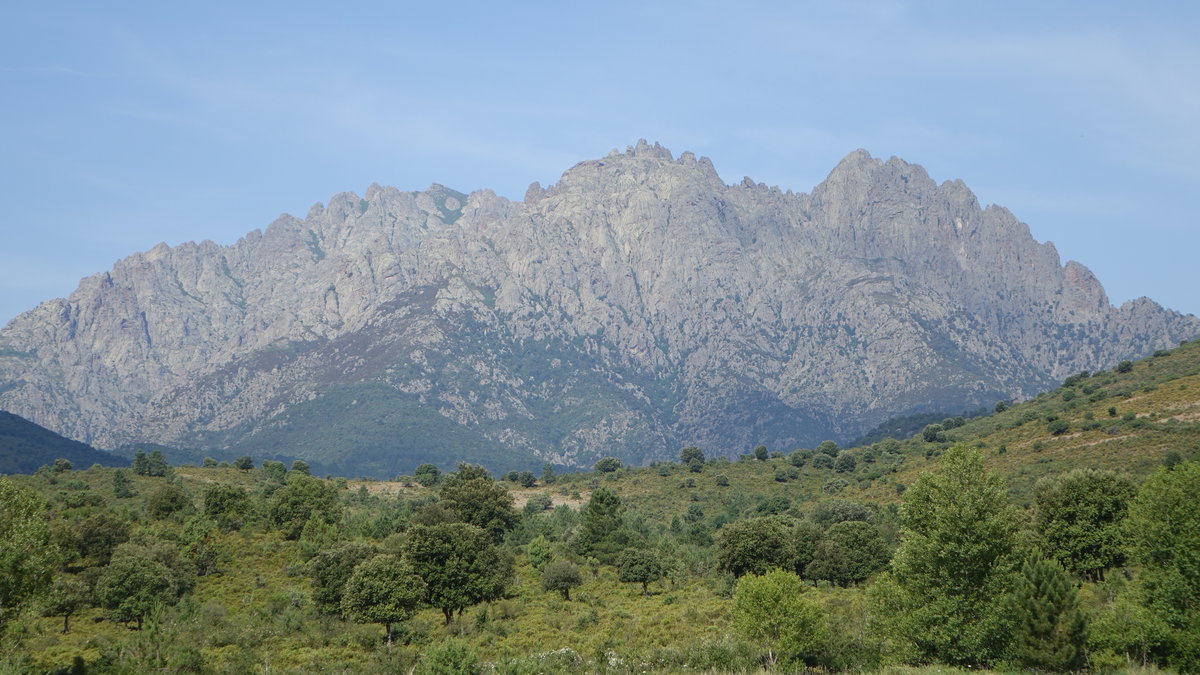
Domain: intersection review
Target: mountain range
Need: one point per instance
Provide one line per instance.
(637, 305)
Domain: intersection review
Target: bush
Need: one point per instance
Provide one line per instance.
(844, 462)
(450, 657)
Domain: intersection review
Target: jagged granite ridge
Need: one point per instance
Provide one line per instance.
(638, 304)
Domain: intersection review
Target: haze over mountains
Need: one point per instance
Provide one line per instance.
(638, 305)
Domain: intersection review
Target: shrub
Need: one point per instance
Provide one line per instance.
(450, 657)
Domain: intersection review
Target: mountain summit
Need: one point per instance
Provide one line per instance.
(637, 305)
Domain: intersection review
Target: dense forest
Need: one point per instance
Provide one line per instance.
(1057, 534)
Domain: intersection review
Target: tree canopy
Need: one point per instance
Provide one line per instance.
(754, 546)
(954, 569)
(27, 556)
(460, 564)
(773, 611)
(1078, 517)
(383, 589)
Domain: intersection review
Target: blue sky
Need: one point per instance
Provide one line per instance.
(127, 124)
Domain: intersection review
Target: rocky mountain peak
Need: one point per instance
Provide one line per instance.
(636, 305)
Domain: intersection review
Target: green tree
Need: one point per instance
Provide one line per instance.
(805, 536)
(383, 589)
(1078, 518)
(602, 530)
(427, 474)
(138, 579)
(761, 453)
(329, 570)
(844, 462)
(243, 463)
(828, 448)
(561, 576)
(1163, 529)
(165, 500)
(640, 567)
(773, 610)
(934, 433)
(829, 563)
(691, 454)
(482, 502)
(68, 595)
(302, 498)
(955, 566)
(608, 465)
(539, 551)
(27, 554)
(154, 464)
(849, 552)
(460, 564)
(122, 484)
(99, 535)
(275, 471)
(201, 547)
(754, 545)
(1049, 631)
(300, 466)
(227, 505)
(830, 511)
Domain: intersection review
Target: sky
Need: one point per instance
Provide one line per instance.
(123, 125)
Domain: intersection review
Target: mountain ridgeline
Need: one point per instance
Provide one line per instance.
(638, 305)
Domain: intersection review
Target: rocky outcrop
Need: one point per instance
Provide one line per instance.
(638, 304)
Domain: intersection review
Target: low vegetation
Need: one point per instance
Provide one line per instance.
(1003, 541)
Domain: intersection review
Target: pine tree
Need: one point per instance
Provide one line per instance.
(1049, 634)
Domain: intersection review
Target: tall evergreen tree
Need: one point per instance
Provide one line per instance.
(602, 531)
(1049, 633)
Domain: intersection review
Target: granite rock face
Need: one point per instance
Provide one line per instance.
(637, 305)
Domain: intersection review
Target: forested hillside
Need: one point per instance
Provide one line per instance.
(25, 446)
(1057, 534)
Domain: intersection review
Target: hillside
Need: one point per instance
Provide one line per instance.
(637, 305)
(25, 446)
(254, 601)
